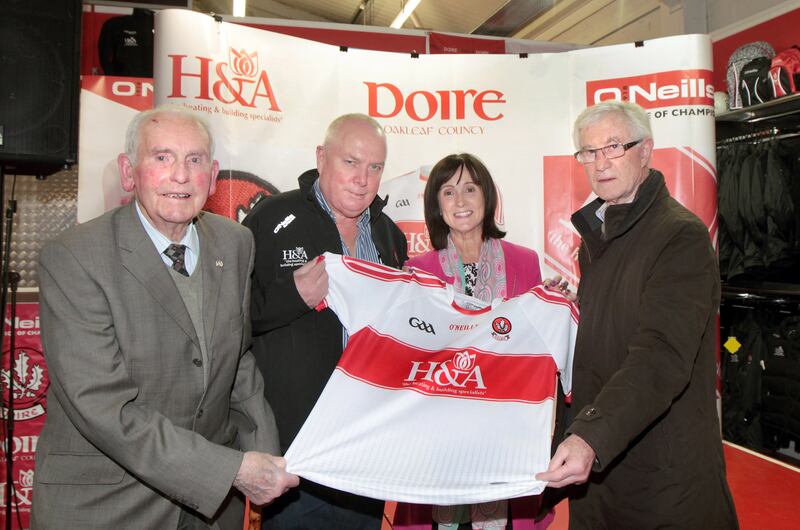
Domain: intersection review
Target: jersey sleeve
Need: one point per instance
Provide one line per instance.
(360, 291)
(556, 321)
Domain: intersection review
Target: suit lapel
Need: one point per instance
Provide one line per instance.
(140, 257)
(212, 261)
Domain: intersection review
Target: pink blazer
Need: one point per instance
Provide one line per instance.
(522, 267)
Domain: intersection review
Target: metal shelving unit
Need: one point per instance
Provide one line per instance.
(771, 110)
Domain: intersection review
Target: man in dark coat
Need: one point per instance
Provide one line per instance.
(644, 443)
(336, 209)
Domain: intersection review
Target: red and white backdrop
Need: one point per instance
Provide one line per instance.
(271, 96)
(30, 388)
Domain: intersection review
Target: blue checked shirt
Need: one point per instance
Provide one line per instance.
(365, 247)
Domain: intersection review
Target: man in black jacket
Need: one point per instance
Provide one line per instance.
(336, 209)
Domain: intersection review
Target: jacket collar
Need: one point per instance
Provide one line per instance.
(619, 218)
(141, 258)
(307, 179)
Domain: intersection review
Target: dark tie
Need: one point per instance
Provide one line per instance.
(177, 253)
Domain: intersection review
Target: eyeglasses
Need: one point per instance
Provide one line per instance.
(587, 156)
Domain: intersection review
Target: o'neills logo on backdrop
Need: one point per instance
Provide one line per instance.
(660, 89)
(240, 81)
(465, 373)
(467, 109)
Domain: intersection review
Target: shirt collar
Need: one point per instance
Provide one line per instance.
(161, 242)
(601, 211)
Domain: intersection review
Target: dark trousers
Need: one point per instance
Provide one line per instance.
(314, 507)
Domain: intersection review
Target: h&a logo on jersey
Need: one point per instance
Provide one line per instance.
(460, 375)
(421, 325)
(294, 257)
(501, 327)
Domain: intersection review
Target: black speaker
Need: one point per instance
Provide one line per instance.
(39, 85)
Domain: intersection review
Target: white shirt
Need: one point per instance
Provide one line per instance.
(162, 242)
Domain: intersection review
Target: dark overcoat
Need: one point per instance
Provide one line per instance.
(644, 375)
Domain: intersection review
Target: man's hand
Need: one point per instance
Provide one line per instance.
(560, 285)
(311, 281)
(263, 478)
(571, 464)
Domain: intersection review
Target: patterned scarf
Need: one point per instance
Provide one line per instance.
(491, 281)
(490, 284)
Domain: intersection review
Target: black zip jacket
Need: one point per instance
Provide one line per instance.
(297, 348)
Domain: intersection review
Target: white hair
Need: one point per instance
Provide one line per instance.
(133, 133)
(635, 116)
(332, 134)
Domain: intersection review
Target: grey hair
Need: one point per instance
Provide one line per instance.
(331, 135)
(133, 133)
(634, 115)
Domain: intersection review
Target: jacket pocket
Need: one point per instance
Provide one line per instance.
(82, 468)
(236, 325)
(653, 451)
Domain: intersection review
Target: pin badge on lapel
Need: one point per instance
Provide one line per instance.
(219, 263)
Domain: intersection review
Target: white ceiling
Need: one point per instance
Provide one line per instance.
(457, 16)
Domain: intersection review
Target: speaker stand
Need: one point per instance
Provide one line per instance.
(10, 279)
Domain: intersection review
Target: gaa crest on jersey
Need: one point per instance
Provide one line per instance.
(293, 257)
(421, 325)
(501, 327)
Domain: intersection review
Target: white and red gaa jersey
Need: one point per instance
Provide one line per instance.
(438, 397)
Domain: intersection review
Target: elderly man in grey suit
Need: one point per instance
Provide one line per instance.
(156, 409)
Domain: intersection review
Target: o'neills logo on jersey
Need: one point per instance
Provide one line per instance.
(660, 89)
(457, 375)
(387, 100)
(239, 81)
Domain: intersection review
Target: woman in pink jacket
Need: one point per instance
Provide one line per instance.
(460, 201)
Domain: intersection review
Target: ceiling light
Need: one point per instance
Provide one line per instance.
(239, 7)
(404, 13)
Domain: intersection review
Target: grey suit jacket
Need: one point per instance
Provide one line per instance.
(131, 435)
